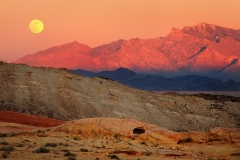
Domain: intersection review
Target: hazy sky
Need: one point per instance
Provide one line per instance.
(96, 22)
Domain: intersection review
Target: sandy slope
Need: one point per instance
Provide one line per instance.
(108, 138)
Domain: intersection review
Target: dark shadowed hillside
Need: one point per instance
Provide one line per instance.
(160, 83)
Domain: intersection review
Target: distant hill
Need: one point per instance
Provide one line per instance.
(204, 49)
(160, 83)
(61, 94)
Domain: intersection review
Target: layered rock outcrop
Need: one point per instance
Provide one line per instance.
(114, 128)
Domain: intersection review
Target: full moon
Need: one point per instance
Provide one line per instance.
(36, 26)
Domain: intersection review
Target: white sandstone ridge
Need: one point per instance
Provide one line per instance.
(115, 128)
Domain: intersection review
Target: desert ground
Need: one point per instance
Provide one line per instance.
(61, 94)
(33, 137)
(48, 113)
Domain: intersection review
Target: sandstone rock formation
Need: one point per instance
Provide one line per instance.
(114, 128)
(63, 95)
(114, 138)
(205, 49)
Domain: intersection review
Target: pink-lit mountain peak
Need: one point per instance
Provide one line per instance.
(107, 48)
(211, 31)
(73, 46)
(204, 48)
(67, 55)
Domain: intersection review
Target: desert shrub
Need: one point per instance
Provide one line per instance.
(65, 144)
(75, 138)
(143, 143)
(4, 155)
(7, 149)
(148, 153)
(50, 145)
(39, 131)
(4, 143)
(83, 150)
(3, 134)
(13, 134)
(69, 154)
(114, 157)
(117, 136)
(50, 113)
(65, 150)
(19, 145)
(42, 150)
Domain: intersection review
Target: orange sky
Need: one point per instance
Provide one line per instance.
(95, 22)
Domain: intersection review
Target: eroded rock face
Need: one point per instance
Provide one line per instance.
(60, 94)
(224, 134)
(114, 128)
(114, 138)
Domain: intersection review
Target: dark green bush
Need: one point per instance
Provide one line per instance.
(75, 138)
(3, 134)
(42, 150)
(4, 155)
(83, 150)
(143, 143)
(148, 153)
(69, 154)
(39, 131)
(50, 145)
(7, 149)
(115, 157)
(65, 150)
(4, 143)
(19, 145)
(13, 134)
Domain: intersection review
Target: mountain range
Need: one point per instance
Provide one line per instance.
(203, 49)
(160, 83)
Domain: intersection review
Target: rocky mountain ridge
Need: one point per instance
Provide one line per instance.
(204, 49)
